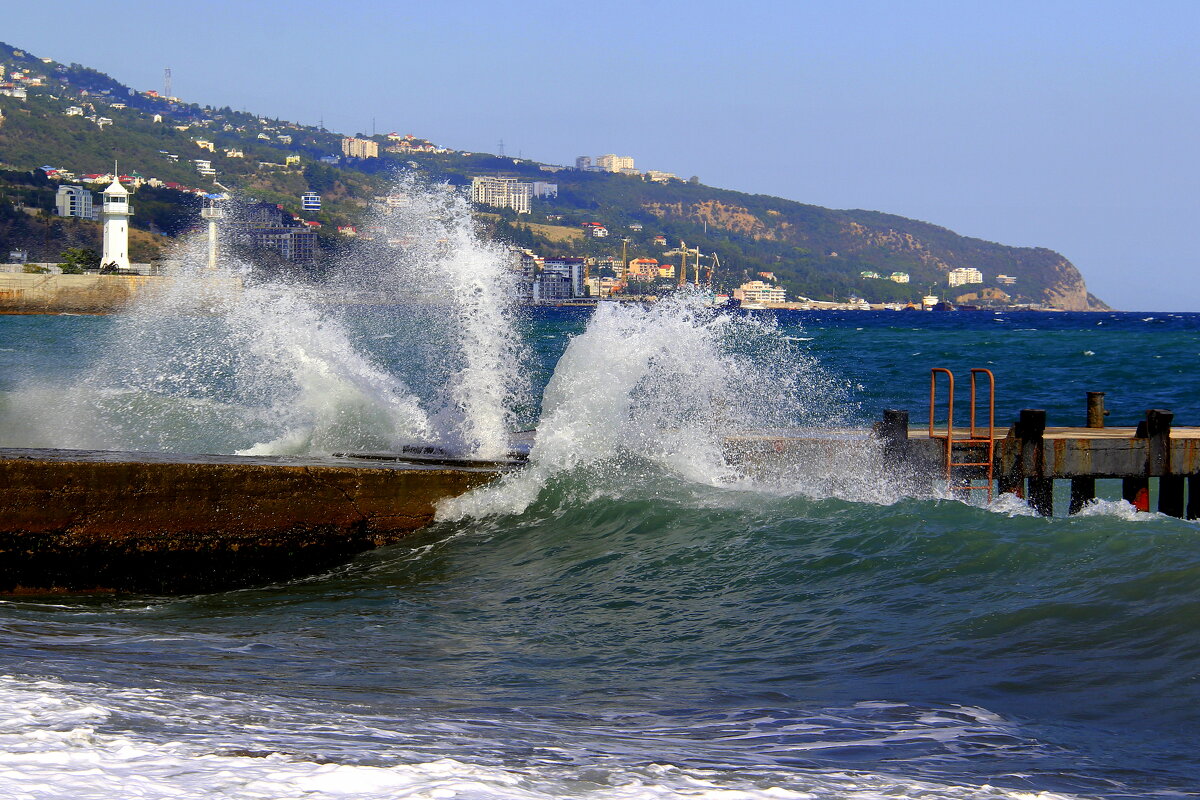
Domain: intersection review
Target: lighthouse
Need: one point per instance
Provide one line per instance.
(116, 212)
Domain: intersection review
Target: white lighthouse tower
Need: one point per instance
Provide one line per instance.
(116, 212)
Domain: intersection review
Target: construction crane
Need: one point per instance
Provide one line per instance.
(714, 263)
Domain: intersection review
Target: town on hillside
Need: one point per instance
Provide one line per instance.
(300, 195)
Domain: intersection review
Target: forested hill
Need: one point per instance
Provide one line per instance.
(79, 120)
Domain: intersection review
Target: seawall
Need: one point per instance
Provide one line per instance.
(84, 521)
(23, 293)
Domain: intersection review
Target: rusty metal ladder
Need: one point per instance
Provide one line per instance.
(975, 438)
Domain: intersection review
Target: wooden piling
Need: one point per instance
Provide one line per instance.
(1193, 497)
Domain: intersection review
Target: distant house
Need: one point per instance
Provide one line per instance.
(660, 240)
(899, 277)
(595, 230)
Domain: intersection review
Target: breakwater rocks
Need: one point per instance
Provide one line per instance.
(85, 521)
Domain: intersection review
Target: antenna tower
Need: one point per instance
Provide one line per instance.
(167, 82)
(501, 153)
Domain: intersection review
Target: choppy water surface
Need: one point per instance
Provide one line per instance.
(632, 618)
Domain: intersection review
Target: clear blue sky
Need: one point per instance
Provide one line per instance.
(1069, 125)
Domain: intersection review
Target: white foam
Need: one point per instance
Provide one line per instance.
(63, 740)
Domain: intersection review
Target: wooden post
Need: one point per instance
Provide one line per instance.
(1031, 428)
(1158, 462)
(1095, 410)
(1193, 499)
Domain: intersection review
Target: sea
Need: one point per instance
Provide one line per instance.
(628, 616)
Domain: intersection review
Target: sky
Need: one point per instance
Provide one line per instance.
(1059, 124)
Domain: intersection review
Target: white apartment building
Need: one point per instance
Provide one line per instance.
(759, 292)
(963, 276)
(502, 193)
(611, 162)
(74, 201)
(899, 277)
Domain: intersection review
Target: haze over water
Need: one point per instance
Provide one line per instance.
(632, 616)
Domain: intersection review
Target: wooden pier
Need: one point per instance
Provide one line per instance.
(1027, 458)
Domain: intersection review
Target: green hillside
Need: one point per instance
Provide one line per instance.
(812, 251)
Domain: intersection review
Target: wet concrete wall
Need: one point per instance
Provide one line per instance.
(73, 521)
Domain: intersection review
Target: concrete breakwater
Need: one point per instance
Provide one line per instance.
(22, 293)
(83, 521)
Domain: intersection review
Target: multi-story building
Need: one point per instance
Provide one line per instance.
(559, 279)
(264, 226)
(74, 201)
(642, 269)
(759, 292)
(310, 201)
(359, 148)
(545, 190)
(584, 163)
(1005, 280)
(610, 162)
(899, 277)
(501, 193)
(964, 275)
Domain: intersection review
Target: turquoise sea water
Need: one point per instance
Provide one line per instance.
(638, 631)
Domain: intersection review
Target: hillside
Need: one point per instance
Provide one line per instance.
(80, 121)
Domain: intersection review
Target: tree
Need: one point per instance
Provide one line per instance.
(77, 260)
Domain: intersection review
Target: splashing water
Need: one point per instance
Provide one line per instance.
(459, 294)
(230, 361)
(647, 390)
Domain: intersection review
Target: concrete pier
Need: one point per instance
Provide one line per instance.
(86, 521)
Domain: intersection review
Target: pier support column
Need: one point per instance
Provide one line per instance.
(1083, 491)
(1083, 488)
(893, 433)
(1031, 428)
(1193, 498)
(1158, 462)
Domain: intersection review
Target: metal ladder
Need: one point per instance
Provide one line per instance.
(974, 439)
